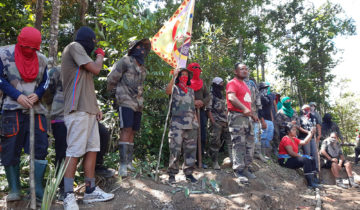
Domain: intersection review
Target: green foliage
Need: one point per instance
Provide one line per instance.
(346, 113)
(53, 180)
(14, 15)
(304, 37)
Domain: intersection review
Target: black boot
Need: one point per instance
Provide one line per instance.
(310, 181)
(214, 159)
(123, 148)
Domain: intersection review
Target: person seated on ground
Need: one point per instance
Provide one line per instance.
(285, 115)
(357, 149)
(183, 125)
(290, 158)
(334, 159)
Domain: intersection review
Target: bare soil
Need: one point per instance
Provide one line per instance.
(274, 188)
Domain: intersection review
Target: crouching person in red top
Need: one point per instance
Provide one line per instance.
(290, 158)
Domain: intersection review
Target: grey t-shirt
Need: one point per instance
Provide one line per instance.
(332, 148)
(78, 83)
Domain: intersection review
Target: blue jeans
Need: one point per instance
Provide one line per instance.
(267, 134)
(311, 149)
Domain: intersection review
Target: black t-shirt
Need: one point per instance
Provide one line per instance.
(266, 103)
(307, 124)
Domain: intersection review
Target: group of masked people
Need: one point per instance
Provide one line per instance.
(246, 119)
(67, 94)
(69, 91)
(320, 142)
(234, 118)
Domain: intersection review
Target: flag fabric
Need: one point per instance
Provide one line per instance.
(172, 42)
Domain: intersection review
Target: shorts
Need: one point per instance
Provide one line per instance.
(82, 134)
(16, 136)
(129, 118)
(329, 162)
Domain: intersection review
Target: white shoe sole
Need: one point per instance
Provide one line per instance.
(98, 200)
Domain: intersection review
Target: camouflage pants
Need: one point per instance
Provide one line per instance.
(242, 137)
(184, 139)
(219, 133)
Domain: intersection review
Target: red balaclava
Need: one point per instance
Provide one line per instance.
(26, 59)
(183, 83)
(196, 82)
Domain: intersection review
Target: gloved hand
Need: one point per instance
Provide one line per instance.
(100, 51)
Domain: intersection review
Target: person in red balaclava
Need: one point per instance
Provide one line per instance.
(202, 98)
(183, 125)
(23, 79)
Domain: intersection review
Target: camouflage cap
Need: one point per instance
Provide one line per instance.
(146, 42)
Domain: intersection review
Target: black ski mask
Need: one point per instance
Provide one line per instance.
(217, 90)
(327, 118)
(86, 36)
(138, 54)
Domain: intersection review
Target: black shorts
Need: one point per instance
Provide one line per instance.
(329, 162)
(129, 118)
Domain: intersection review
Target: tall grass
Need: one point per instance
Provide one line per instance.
(52, 184)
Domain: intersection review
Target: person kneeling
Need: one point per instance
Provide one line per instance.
(290, 158)
(334, 159)
(183, 125)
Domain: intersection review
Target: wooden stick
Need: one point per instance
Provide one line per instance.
(199, 139)
(32, 159)
(163, 136)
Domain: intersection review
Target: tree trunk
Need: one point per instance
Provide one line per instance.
(262, 60)
(84, 7)
(301, 101)
(241, 50)
(54, 30)
(39, 14)
(98, 11)
(257, 70)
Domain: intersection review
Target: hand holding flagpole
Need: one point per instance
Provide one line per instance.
(172, 44)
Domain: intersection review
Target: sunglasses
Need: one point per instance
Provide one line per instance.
(196, 67)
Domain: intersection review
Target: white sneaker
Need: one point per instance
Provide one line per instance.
(70, 202)
(97, 196)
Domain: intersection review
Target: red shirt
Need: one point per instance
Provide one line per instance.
(287, 141)
(241, 91)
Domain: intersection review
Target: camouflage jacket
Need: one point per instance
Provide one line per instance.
(10, 75)
(255, 96)
(128, 78)
(54, 95)
(183, 109)
(218, 108)
(281, 120)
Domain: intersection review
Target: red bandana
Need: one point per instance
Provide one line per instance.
(196, 82)
(26, 59)
(182, 83)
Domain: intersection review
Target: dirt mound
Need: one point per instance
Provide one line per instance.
(274, 188)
